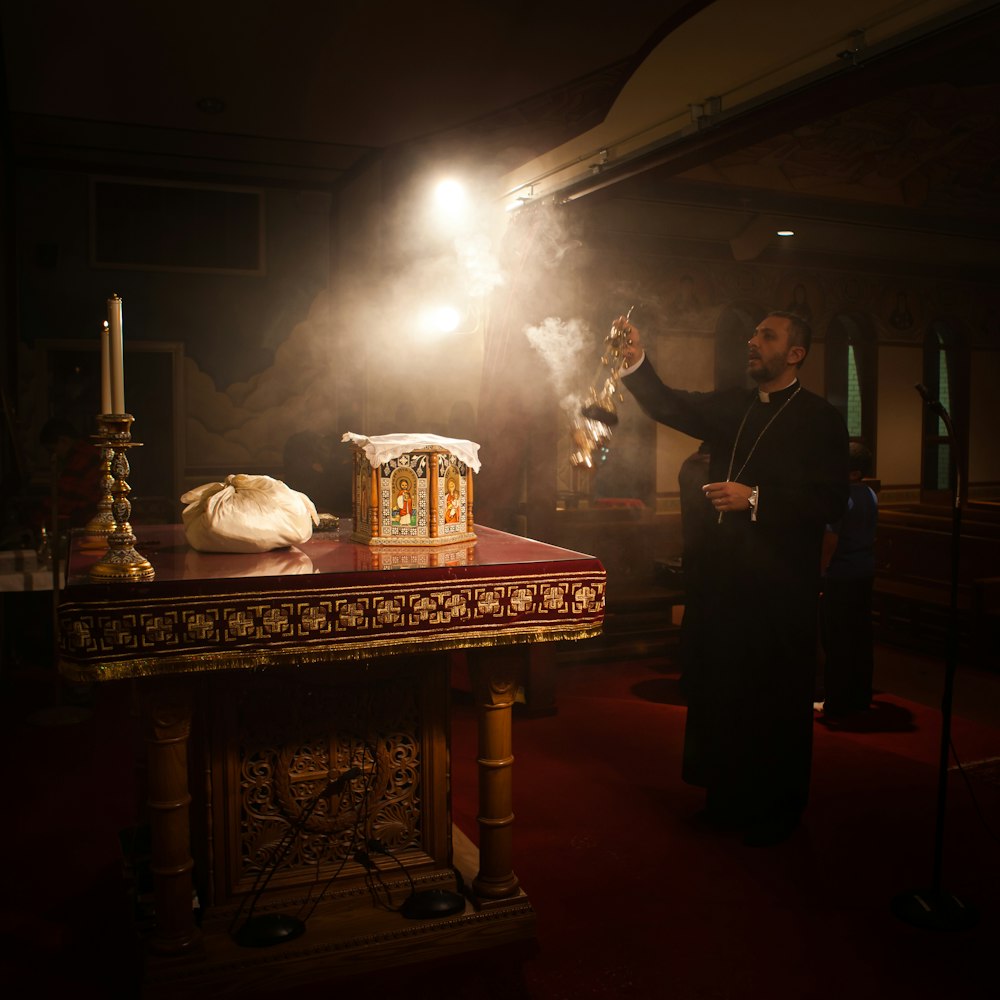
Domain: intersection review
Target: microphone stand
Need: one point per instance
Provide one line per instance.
(264, 930)
(933, 908)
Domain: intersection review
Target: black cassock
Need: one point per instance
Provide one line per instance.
(748, 737)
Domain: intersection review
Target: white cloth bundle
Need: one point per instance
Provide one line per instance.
(247, 514)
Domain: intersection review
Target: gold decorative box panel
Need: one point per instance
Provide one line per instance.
(424, 558)
(412, 489)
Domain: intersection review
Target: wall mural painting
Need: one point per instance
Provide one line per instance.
(245, 426)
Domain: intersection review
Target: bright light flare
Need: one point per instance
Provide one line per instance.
(451, 203)
(449, 194)
(438, 321)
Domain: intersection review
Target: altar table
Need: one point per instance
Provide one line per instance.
(296, 713)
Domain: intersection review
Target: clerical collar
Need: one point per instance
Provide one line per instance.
(779, 395)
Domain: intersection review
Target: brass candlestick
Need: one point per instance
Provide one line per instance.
(102, 523)
(121, 561)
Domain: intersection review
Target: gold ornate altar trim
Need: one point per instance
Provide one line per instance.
(253, 628)
(156, 666)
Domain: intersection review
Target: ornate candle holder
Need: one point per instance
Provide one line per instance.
(121, 561)
(102, 523)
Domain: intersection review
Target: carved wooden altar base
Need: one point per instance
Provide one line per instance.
(268, 679)
(342, 939)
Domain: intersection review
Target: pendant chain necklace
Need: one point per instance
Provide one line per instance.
(753, 447)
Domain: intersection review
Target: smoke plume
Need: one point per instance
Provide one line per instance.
(562, 346)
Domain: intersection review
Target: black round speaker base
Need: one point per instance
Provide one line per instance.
(430, 903)
(269, 929)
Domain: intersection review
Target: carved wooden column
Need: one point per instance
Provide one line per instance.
(169, 728)
(495, 675)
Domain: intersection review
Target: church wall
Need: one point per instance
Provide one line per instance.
(315, 344)
(269, 369)
(899, 420)
(811, 372)
(685, 297)
(984, 453)
(248, 354)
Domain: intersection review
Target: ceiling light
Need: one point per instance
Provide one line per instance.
(449, 196)
(785, 232)
(450, 211)
(438, 321)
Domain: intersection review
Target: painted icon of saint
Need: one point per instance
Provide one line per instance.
(404, 505)
(452, 503)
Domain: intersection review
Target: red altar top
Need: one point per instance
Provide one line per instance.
(327, 599)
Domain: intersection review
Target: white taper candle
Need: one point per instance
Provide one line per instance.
(116, 355)
(105, 368)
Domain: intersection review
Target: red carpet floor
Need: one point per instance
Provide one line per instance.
(633, 897)
(636, 899)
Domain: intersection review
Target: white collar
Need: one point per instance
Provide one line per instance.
(765, 397)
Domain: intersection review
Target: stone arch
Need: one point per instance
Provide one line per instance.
(946, 378)
(855, 330)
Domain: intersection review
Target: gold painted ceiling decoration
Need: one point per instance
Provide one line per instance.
(932, 148)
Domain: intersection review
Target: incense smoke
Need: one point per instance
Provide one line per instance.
(562, 345)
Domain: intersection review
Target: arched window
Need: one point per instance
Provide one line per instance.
(854, 405)
(946, 379)
(850, 374)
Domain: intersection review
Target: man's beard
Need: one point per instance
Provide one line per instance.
(766, 371)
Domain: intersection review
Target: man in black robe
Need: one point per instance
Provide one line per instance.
(777, 476)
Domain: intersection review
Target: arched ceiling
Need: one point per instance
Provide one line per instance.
(307, 93)
(308, 90)
(884, 155)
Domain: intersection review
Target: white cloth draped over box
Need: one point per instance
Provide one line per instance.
(385, 447)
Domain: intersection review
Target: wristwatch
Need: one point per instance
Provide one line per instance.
(752, 500)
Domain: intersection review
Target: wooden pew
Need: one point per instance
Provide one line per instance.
(633, 543)
(913, 553)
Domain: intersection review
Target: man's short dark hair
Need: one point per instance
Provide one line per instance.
(801, 331)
